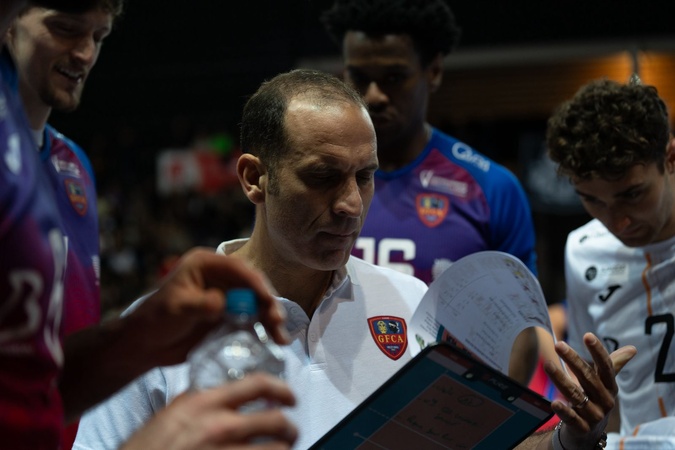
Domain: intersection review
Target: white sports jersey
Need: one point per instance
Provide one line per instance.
(352, 344)
(626, 296)
(656, 435)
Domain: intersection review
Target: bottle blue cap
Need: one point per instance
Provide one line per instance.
(241, 301)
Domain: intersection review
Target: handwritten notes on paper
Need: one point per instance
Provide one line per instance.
(482, 302)
(447, 415)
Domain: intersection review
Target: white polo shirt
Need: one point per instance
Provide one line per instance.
(353, 343)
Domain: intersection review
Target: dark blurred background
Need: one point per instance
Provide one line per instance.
(160, 113)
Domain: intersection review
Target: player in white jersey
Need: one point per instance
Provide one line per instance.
(613, 141)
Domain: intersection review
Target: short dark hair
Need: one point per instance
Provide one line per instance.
(430, 23)
(606, 128)
(263, 130)
(114, 7)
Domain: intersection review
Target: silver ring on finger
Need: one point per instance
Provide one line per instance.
(582, 403)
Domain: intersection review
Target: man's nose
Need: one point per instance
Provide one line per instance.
(618, 221)
(350, 202)
(86, 50)
(374, 96)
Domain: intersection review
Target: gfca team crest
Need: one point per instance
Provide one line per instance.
(77, 196)
(432, 208)
(390, 335)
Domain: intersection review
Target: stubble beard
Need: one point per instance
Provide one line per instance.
(63, 102)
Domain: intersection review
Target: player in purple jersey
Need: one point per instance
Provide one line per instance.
(448, 203)
(54, 53)
(69, 170)
(100, 360)
(32, 262)
(436, 199)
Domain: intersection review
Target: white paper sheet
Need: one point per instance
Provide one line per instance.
(482, 302)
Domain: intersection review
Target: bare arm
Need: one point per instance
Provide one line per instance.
(583, 424)
(161, 331)
(524, 356)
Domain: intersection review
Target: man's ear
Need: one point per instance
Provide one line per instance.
(252, 177)
(9, 35)
(670, 155)
(435, 72)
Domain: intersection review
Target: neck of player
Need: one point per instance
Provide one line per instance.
(402, 151)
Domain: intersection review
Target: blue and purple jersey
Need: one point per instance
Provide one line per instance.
(72, 177)
(32, 264)
(73, 181)
(448, 203)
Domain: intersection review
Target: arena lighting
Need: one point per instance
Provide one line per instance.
(655, 67)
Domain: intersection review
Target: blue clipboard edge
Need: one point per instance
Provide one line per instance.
(455, 354)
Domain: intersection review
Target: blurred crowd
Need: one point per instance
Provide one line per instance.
(144, 231)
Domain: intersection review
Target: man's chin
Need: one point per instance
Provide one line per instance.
(385, 127)
(63, 104)
(333, 260)
(636, 241)
(68, 108)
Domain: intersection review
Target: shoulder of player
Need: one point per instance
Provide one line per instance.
(591, 243)
(363, 271)
(592, 233)
(61, 144)
(471, 159)
(54, 135)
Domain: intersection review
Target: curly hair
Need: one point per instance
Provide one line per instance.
(606, 128)
(263, 130)
(430, 23)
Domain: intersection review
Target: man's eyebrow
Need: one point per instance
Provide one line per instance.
(630, 189)
(78, 18)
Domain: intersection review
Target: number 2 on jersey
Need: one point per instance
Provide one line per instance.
(659, 374)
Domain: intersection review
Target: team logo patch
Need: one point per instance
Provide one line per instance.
(390, 335)
(432, 208)
(591, 273)
(77, 196)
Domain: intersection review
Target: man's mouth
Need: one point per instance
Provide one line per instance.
(632, 233)
(75, 76)
(340, 233)
(382, 121)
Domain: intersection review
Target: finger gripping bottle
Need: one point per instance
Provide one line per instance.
(238, 347)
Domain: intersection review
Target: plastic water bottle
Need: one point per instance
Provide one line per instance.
(240, 346)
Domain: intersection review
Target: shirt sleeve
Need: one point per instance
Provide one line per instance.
(111, 423)
(512, 228)
(579, 320)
